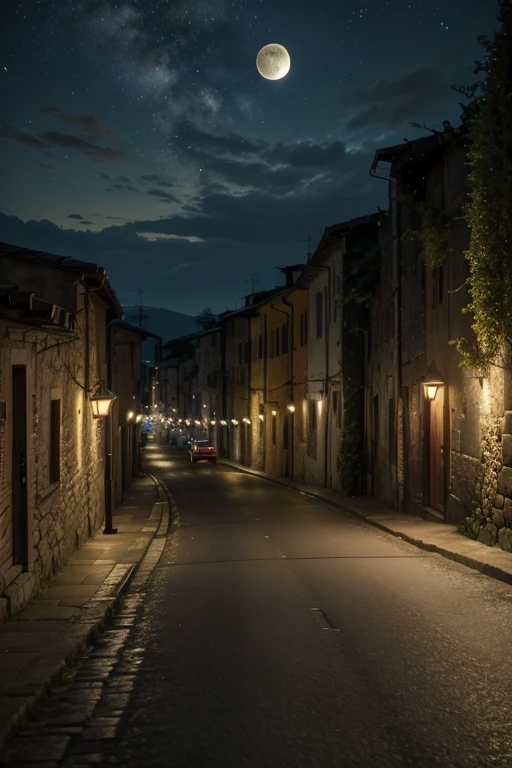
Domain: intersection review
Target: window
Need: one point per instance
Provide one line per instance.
(274, 428)
(285, 433)
(319, 329)
(277, 342)
(392, 431)
(437, 286)
(260, 347)
(336, 407)
(312, 425)
(54, 441)
(303, 328)
(284, 341)
(337, 296)
(247, 352)
(240, 353)
(271, 343)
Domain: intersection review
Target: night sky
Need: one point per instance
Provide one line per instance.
(140, 135)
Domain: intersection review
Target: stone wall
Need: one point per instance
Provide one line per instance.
(64, 513)
(494, 511)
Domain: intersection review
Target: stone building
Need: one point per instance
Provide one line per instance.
(278, 380)
(453, 432)
(54, 315)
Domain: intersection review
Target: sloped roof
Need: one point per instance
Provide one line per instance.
(84, 268)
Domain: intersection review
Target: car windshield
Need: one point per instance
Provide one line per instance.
(203, 443)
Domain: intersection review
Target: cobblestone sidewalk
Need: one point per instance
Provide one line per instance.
(434, 537)
(40, 644)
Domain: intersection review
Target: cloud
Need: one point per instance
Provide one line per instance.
(125, 186)
(104, 176)
(166, 197)
(75, 216)
(227, 144)
(387, 105)
(154, 178)
(88, 124)
(123, 179)
(26, 139)
(154, 236)
(307, 154)
(246, 164)
(180, 267)
(86, 222)
(49, 139)
(100, 154)
(227, 231)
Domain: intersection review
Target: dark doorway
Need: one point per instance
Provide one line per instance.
(19, 467)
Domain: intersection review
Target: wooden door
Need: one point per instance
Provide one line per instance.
(19, 466)
(436, 451)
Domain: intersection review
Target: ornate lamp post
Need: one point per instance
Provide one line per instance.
(101, 403)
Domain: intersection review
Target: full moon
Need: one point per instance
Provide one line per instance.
(273, 62)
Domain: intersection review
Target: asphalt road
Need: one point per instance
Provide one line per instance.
(280, 632)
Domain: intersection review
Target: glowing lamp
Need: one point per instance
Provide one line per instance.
(431, 382)
(101, 402)
(291, 408)
(130, 416)
(274, 413)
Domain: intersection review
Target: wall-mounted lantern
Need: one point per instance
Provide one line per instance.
(291, 408)
(431, 382)
(224, 423)
(101, 402)
(130, 416)
(234, 422)
(274, 413)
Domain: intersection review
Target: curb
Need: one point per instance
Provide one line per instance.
(487, 569)
(97, 613)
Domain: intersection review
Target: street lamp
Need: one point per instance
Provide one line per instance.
(431, 382)
(101, 403)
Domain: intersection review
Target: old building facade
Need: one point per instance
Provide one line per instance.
(57, 345)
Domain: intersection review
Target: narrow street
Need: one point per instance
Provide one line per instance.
(280, 632)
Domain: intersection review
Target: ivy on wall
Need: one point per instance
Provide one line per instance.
(488, 211)
(434, 232)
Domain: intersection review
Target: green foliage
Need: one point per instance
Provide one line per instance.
(470, 527)
(362, 280)
(351, 457)
(488, 211)
(434, 233)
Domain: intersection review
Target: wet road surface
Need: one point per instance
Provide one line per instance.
(277, 631)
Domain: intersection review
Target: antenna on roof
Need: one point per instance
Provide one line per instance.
(308, 241)
(139, 316)
(252, 280)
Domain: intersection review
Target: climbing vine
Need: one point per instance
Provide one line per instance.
(434, 231)
(488, 211)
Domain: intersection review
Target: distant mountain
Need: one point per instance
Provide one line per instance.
(164, 322)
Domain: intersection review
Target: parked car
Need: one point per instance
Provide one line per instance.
(203, 450)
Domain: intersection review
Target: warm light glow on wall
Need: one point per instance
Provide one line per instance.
(431, 391)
